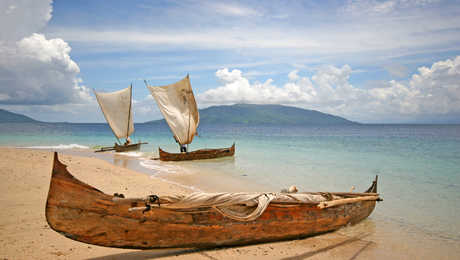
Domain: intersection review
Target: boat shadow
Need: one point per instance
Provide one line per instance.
(334, 246)
(150, 254)
(159, 253)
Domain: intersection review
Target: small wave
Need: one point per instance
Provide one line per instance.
(157, 167)
(61, 146)
(132, 154)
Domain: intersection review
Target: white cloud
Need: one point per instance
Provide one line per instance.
(232, 9)
(431, 91)
(374, 39)
(36, 70)
(146, 109)
(214, 39)
(293, 75)
(438, 87)
(33, 69)
(371, 7)
(21, 18)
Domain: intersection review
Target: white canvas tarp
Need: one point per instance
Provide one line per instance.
(116, 107)
(255, 203)
(178, 106)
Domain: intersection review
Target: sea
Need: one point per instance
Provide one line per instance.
(418, 168)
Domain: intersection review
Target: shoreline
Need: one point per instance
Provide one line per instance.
(188, 174)
(25, 179)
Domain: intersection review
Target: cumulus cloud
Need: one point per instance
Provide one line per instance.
(35, 70)
(21, 18)
(431, 91)
(146, 108)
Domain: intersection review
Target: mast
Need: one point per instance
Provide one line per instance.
(189, 112)
(129, 111)
(188, 131)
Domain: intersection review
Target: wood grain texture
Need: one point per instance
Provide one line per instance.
(197, 155)
(83, 213)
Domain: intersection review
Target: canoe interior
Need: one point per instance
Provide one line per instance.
(83, 213)
(197, 155)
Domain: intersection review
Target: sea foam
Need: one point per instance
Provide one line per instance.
(131, 154)
(158, 167)
(60, 146)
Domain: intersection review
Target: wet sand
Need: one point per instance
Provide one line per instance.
(25, 234)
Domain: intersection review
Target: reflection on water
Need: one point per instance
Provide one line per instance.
(120, 161)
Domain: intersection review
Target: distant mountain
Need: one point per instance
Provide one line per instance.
(251, 114)
(10, 117)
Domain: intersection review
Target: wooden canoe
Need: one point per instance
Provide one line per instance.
(197, 155)
(121, 148)
(128, 148)
(83, 213)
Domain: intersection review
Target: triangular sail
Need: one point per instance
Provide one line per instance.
(116, 107)
(178, 106)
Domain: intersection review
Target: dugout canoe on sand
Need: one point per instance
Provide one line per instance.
(83, 213)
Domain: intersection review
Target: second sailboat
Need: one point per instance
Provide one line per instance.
(117, 110)
(178, 106)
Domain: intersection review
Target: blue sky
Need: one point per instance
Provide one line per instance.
(388, 61)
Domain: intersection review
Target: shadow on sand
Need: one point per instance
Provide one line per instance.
(153, 254)
(333, 246)
(159, 253)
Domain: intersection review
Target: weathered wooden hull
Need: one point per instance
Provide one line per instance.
(127, 148)
(121, 148)
(83, 213)
(197, 155)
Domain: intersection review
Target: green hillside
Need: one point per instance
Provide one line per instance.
(10, 117)
(250, 114)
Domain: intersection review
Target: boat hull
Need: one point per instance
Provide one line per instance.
(83, 213)
(197, 155)
(121, 148)
(127, 148)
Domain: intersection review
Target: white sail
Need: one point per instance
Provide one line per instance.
(178, 106)
(116, 107)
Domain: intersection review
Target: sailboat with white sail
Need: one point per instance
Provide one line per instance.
(178, 106)
(117, 109)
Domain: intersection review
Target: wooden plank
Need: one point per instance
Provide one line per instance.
(332, 203)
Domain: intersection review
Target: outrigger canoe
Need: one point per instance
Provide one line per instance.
(117, 109)
(177, 103)
(197, 155)
(121, 148)
(84, 213)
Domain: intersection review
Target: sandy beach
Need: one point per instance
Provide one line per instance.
(25, 234)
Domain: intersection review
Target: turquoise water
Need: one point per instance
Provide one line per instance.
(418, 165)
